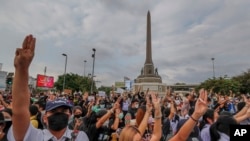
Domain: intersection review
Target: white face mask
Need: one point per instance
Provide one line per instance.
(136, 105)
(169, 105)
(102, 106)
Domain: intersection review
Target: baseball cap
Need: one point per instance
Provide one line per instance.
(50, 105)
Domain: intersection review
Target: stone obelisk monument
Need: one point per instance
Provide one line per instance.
(149, 77)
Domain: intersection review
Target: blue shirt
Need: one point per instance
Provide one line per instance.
(34, 134)
(205, 133)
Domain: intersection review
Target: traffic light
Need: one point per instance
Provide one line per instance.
(9, 80)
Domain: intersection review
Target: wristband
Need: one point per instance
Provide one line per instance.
(158, 117)
(193, 119)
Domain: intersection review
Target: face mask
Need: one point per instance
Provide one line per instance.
(77, 116)
(58, 121)
(137, 106)
(102, 106)
(169, 105)
(121, 115)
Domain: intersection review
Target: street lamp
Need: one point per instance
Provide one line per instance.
(93, 56)
(84, 67)
(64, 69)
(213, 67)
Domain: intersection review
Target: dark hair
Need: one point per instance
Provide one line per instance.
(166, 112)
(7, 110)
(221, 125)
(195, 132)
(209, 114)
(33, 110)
(77, 107)
(41, 103)
(240, 105)
(191, 111)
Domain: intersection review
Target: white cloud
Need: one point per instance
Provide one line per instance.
(185, 36)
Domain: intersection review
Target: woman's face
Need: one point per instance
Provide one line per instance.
(137, 137)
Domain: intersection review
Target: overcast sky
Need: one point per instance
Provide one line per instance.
(186, 34)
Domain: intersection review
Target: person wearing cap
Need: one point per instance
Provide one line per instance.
(57, 111)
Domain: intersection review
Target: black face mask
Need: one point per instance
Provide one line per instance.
(58, 121)
(77, 116)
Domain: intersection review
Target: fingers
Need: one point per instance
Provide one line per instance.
(25, 41)
(33, 44)
(18, 51)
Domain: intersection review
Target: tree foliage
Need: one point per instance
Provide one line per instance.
(74, 82)
(244, 80)
(221, 85)
(105, 89)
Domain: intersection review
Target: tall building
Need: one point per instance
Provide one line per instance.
(149, 77)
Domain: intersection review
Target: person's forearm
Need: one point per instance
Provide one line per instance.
(242, 111)
(143, 125)
(186, 129)
(20, 92)
(115, 124)
(104, 118)
(20, 104)
(240, 118)
(157, 131)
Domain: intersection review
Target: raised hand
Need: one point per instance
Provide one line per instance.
(201, 103)
(25, 54)
(149, 105)
(156, 101)
(245, 100)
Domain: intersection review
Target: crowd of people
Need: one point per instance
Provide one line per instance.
(139, 116)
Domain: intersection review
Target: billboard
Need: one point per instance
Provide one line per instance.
(45, 81)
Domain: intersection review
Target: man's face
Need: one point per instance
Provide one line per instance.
(64, 110)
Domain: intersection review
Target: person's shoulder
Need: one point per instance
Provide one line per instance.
(82, 136)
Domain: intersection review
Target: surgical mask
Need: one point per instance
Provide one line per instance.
(121, 115)
(169, 105)
(58, 121)
(137, 106)
(102, 106)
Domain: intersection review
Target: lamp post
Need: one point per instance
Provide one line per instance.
(64, 69)
(213, 67)
(84, 67)
(92, 77)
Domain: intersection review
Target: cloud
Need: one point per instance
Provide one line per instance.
(185, 36)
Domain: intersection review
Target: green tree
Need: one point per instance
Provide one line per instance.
(220, 85)
(105, 89)
(74, 82)
(244, 80)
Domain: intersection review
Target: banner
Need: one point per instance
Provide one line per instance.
(45, 81)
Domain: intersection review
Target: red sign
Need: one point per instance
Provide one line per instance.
(45, 81)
